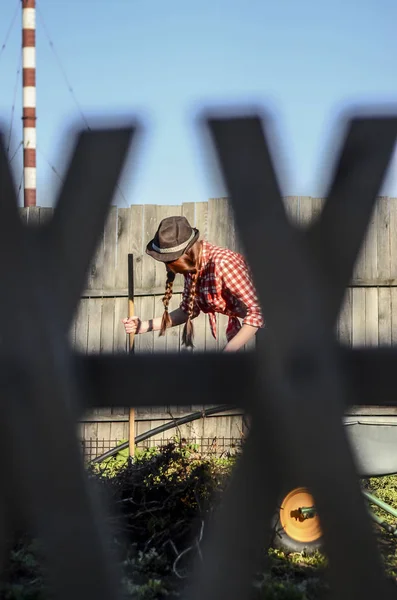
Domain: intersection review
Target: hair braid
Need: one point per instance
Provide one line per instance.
(166, 320)
(188, 330)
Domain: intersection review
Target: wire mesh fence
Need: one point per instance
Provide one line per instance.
(209, 446)
(93, 447)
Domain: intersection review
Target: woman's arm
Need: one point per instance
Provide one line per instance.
(177, 316)
(135, 325)
(241, 338)
(236, 278)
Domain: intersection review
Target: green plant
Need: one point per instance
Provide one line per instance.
(161, 500)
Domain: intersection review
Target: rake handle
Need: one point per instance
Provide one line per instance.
(131, 312)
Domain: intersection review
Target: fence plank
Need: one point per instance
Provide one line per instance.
(103, 434)
(146, 341)
(94, 325)
(119, 335)
(107, 325)
(359, 271)
(45, 215)
(33, 216)
(393, 237)
(118, 432)
(233, 241)
(317, 207)
(137, 243)
(371, 317)
(218, 222)
(192, 431)
(109, 250)
(371, 247)
(393, 294)
(94, 342)
(359, 267)
(124, 238)
(81, 326)
(223, 427)
(210, 429)
(383, 238)
(199, 332)
(305, 211)
(149, 229)
(291, 204)
(173, 336)
(358, 317)
(345, 319)
(211, 344)
(189, 211)
(159, 342)
(236, 426)
(141, 427)
(95, 271)
(385, 317)
(221, 332)
(23, 213)
(201, 219)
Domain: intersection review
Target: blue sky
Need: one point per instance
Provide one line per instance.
(306, 61)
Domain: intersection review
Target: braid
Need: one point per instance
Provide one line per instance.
(188, 330)
(166, 320)
(186, 264)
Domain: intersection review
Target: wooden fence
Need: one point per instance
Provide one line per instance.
(369, 315)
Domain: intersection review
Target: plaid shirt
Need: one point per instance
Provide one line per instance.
(224, 286)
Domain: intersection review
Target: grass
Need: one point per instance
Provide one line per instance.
(165, 497)
(300, 577)
(385, 488)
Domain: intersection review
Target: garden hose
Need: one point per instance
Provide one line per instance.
(207, 412)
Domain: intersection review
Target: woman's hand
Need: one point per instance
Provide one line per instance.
(132, 325)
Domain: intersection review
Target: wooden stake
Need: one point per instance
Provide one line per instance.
(131, 312)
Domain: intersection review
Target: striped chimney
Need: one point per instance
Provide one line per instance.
(29, 100)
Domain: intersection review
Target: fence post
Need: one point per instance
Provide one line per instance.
(131, 312)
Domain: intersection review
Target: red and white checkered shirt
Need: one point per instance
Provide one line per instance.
(225, 286)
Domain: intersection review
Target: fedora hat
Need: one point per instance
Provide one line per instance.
(173, 238)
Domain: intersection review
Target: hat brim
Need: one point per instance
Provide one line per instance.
(167, 257)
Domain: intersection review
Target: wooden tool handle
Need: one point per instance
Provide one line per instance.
(131, 306)
(131, 312)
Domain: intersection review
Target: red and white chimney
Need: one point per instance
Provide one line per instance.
(29, 100)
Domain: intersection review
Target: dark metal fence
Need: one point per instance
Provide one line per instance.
(203, 446)
(93, 447)
(296, 385)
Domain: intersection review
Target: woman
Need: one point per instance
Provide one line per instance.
(217, 280)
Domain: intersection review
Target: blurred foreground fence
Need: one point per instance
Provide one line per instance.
(296, 385)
